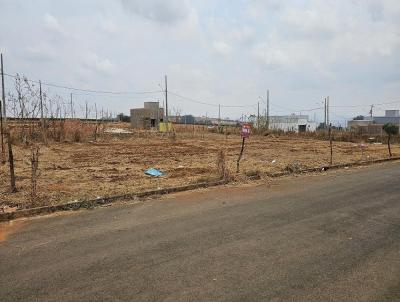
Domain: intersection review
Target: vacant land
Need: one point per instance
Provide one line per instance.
(115, 164)
(331, 238)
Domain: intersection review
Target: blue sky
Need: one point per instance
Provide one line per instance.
(218, 52)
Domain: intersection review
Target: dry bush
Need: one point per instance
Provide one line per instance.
(253, 174)
(76, 131)
(57, 130)
(222, 169)
(172, 136)
(294, 167)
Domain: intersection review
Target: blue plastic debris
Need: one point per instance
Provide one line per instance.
(153, 172)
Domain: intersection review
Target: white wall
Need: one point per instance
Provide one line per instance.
(292, 124)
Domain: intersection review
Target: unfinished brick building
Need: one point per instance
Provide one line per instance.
(148, 117)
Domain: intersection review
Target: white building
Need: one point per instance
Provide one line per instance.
(296, 123)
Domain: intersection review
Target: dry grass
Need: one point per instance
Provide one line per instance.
(115, 163)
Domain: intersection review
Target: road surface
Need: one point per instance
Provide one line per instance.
(310, 238)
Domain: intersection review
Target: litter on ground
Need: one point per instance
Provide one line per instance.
(117, 131)
(153, 172)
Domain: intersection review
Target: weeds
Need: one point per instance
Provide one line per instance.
(223, 171)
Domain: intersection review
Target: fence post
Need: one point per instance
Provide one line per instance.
(240, 156)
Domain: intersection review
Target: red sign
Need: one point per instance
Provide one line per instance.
(245, 133)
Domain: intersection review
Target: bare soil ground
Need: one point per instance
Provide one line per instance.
(115, 164)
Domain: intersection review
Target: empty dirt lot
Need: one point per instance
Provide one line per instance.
(115, 164)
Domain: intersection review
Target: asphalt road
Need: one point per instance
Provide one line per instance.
(309, 238)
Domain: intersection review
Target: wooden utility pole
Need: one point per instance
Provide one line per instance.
(8, 136)
(325, 125)
(4, 113)
(166, 99)
(267, 109)
(327, 111)
(2, 101)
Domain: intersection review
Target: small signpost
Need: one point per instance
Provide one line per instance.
(245, 133)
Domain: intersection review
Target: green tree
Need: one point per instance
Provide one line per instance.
(390, 130)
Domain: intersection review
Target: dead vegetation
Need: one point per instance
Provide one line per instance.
(77, 167)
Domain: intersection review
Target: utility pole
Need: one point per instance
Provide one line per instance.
(4, 113)
(267, 109)
(2, 102)
(13, 188)
(166, 99)
(327, 111)
(330, 144)
(265, 117)
(371, 111)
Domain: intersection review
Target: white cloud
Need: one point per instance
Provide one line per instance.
(222, 48)
(109, 27)
(258, 9)
(318, 45)
(324, 34)
(51, 23)
(167, 12)
(94, 63)
(41, 51)
(272, 55)
(243, 34)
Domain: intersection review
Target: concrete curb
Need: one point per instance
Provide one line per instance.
(87, 204)
(333, 167)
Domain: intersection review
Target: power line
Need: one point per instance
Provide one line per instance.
(93, 91)
(297, 110)
(359, 106)
(86, 90)
(209, 104)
